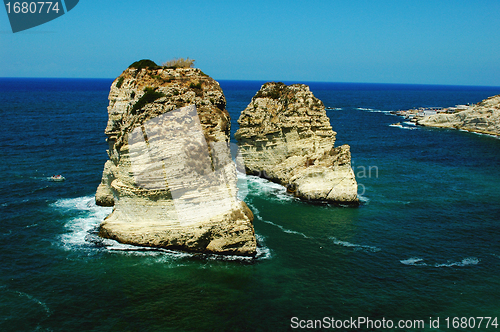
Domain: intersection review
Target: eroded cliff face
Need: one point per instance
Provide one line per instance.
(483, 117)
(286, 137)
(170, 176)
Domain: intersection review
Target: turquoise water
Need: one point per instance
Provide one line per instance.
(424, 243)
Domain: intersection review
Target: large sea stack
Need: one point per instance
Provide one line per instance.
(170, 176)
(483, 117)
(286, 137)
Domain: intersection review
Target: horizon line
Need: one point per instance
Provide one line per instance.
(265, 81)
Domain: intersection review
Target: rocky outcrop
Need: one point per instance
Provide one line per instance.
(483, 117)
(286, 137)
(170, 176)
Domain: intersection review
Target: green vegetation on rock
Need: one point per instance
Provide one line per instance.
(144, 63)
(120, 82)
(149, 96)
(195, 85)
(197, 88)
(275, 92)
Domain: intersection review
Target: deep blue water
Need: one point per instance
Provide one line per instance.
(424, 243)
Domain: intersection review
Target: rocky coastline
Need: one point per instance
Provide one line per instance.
(483, 117)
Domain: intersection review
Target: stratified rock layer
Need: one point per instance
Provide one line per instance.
(286, 137)
(483, 117)
(170, 176)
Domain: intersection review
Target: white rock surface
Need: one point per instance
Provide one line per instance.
(285, 136)
(170, 175)
(483, 117)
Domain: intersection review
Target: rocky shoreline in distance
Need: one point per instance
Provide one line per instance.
(483, 117)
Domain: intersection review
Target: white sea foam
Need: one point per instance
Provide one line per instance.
(85, 203)
(242, 184)
(354, 245)
(161, 255)
(480, 134)
(256, 214)
(263, 251)
(19, 306)
(87, 220)
(82, 235)
(35, 300)
(464, 262)
(114, 246)
(373, 110)
(410, 123)
(363, 199)
(402, 127)
(285, 230)
(275, 191)
(416, 261)
(483, 134)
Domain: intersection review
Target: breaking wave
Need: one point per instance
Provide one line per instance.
(88, 218)
(355, 246)
(82, 235)
(363, 199)
(373, 110)
(262, 187)
(481, 134)
(402, 127)
(416, 261)
(256, 214)
(464, 262)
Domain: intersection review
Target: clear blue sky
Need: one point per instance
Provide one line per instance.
(377, 41)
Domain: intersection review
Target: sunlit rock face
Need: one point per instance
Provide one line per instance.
(170, 175)
(483, 117)
(286, 137)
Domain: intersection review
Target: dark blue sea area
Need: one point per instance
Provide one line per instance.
(424, 244)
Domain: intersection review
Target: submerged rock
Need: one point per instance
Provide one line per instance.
(170, 176)
(286, 137)
(483, 117)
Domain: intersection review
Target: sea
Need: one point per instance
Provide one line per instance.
(421, 252)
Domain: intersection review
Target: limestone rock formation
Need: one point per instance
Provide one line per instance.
(286, 137)
(170, 176)
(483, 117)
